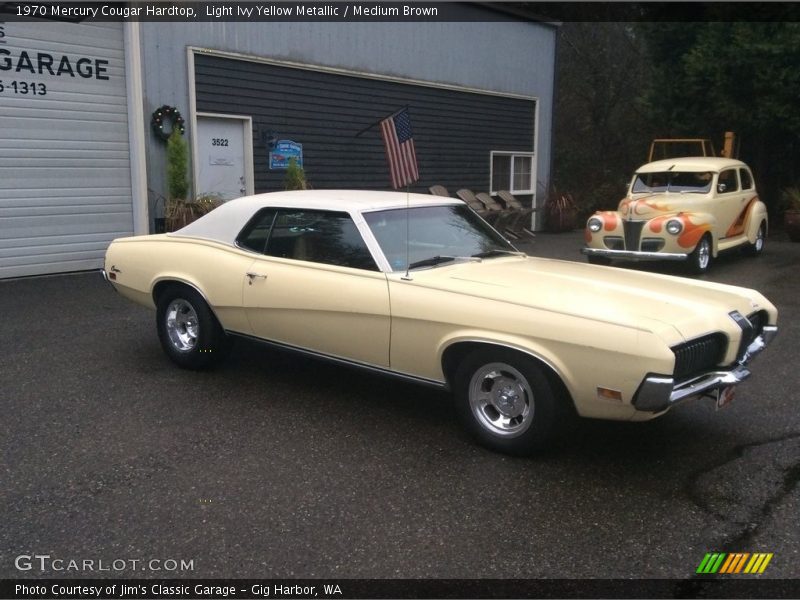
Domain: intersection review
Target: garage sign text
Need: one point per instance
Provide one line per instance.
(59, 66)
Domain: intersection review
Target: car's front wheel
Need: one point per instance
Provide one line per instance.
(506, 401)
(187, 329)
(700, 258)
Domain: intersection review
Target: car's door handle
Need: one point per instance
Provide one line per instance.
(251, 276)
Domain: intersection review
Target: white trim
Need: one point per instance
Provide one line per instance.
(136, 127)
(513, 154)
(249, 175)
(345, 72)
(192, 115)
(535, 173)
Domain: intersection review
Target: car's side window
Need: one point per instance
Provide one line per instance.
(255, 234)
(319, 236)
(727, 182)
(747, 179)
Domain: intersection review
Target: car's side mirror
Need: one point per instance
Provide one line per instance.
(721, 187)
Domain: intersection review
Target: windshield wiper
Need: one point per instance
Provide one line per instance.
(439, 259)
(498, 251)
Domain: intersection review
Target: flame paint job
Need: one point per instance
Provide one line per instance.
(737, 228)
(700, 213)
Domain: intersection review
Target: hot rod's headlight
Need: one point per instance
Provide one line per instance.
(594, 224)
(674, 227)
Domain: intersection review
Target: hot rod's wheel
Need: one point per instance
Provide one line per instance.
(506, 401)
(700, 258)
(187, 329)
(757, 247)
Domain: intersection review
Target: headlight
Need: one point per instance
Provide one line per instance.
(674, 227)
(594, 224)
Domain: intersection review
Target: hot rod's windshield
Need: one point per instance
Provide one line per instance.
(675, 182)
(432, 235)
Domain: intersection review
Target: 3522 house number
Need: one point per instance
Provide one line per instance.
(219, 141)
(23, 87)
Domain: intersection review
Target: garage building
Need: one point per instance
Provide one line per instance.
(81, 165)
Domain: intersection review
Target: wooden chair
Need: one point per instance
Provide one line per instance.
(468, 196)
(523, 213)
(439, 190)
(505, 217)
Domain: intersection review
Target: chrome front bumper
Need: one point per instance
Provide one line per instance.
(633, 254)
(659, 392)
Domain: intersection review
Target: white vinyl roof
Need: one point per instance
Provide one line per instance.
(224, 223)
(692, 164)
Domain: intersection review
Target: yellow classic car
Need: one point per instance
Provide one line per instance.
(681, 209)
(420, 287)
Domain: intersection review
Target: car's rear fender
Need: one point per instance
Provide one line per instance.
(755, 216)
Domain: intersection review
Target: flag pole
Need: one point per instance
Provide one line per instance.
(368, 127)
(407, 276)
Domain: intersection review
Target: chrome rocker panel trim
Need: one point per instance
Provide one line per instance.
(633, 254)
(658, 393)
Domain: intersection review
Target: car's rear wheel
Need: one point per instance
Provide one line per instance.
(700, 258)
(757, 247)
(506, 401)
(187, 329)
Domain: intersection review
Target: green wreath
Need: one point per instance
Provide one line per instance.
(162, 116)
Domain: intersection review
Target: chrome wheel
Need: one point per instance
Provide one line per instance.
(703, 254)
(759, 245)
(501, 399)
(182, 325)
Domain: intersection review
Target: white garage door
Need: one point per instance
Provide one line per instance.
(65, 180)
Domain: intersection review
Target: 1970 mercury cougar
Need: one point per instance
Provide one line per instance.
(681, 209)
(420, 287)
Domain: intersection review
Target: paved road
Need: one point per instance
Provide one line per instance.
(277, 466)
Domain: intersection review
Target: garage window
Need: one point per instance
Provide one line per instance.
(512, 171)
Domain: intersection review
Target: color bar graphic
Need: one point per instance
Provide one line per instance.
(734, 563)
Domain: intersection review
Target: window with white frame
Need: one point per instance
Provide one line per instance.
(512, 171)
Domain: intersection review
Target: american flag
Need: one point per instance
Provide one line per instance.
(399, 143)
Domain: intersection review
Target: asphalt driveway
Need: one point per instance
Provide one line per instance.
(276, 466)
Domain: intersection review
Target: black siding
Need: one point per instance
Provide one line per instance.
(454, 131)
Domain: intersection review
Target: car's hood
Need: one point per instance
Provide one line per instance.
(646, 301)
(649, 206)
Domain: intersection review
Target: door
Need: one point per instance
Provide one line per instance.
(65, 164)
(317, 286)
(730, 202)
(224, 156)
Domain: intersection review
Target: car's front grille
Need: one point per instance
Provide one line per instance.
(633, 231)
(700, 355)
(758, 320)
(652, 244)
(614, 242)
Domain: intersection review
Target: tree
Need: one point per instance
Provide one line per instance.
(713, 77)
(599, 130)
(177, 166)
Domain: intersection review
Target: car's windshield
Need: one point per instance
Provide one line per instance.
(435, 234)
(672, 181)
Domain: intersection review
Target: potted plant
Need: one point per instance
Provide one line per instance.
(790, 198)
(180, 210)
(560, 212)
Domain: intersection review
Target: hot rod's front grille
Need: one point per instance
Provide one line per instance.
(633, 231)
(700, 355)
